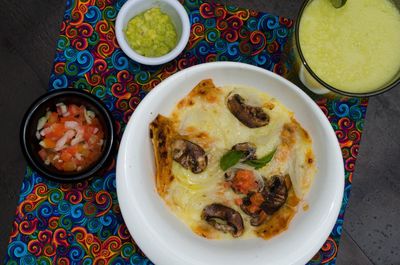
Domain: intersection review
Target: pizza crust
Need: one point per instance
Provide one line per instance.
(162, 134)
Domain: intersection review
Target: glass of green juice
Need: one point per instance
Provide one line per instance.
(353, 50)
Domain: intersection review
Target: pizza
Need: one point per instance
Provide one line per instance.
(232, 162)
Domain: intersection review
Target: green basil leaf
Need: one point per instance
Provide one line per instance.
(230, 159)
(259, 163)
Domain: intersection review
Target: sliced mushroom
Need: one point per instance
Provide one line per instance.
(223, 218)
(258, 219)
(189, 155)
(251, 116)
(275, 193)
(247, 148)
(252, 207)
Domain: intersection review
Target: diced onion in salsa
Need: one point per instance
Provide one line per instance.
(71, 138)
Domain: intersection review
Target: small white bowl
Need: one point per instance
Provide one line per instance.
(172, 8)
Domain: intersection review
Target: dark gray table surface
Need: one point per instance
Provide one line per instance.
(29, 30)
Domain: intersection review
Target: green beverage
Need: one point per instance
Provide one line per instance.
(355, 48)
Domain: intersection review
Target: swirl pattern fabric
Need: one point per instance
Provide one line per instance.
(81, 223)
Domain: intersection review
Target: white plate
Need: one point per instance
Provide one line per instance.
(167, 240)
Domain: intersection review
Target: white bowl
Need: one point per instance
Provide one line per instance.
(172, 8)
(167, 240)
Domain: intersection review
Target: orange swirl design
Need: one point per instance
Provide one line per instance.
(285, 21)
(220, 12)
(102, 252)
(222, 25)
(103, 27)
(346, 144)
(44, 236)
(101, 4)
(53, 222)
(123, 232)
(234, 22)
(345, 153)
(185, 62)
(346, 123)
(76, 17)
(127, 115)
(79, 43)
(211, 57)
(230, 35)
(132, 88)
(41, 189)
(93, 79)
(83, 8)
(103, 198)
(354, 150)
(65, 187)
(244, 34)
(49, 250)
(99, 66)
(206, 10)
(100, 261)
(253, 13)
(25, 207)
(80, 233)
(88, 195)
(329, 244)
(243, 14)
(152, 83)
(60, 237)
(63, 261)
(350, 164)
(63, 26)
(115, 208)
(85, 30)
(198, 30)
(81, 186)
(246, 47)
(256, 37)
(59, 68)
(197, 35)
(124, 76)
(104, 49)
(93, 245)
(122, 104)
(110, 36)
(71, 32)
(33, 199)
(73, 196)
(117, 89)
(35, 247)
(113, 244)
(114, 41)
(89, 209)
(28, 227)
(272, 47)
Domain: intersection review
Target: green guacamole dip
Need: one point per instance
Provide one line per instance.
(151, 33)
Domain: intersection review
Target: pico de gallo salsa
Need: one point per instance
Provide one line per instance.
(71, 138)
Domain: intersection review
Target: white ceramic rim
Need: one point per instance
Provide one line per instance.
(140, 227)
(119, 30)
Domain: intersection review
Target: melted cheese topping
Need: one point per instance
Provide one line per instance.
(203, 118)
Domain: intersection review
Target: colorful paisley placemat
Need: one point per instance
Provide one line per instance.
(81, 223)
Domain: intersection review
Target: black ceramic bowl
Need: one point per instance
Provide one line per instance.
(30, 144)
